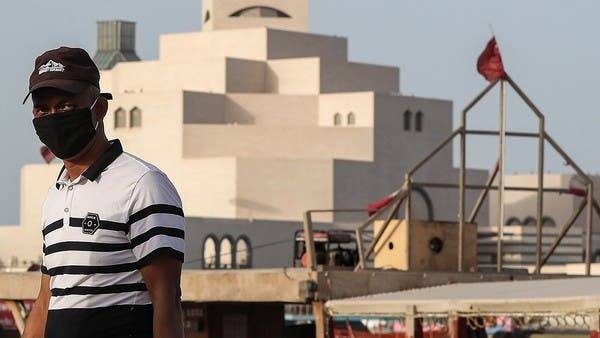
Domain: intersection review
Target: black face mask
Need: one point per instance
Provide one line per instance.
(66, 134)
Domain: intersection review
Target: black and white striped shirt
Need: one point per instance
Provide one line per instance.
(98, 231)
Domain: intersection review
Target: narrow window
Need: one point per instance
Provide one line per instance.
(337, 119)
(419, 121)
(209, 253)
(135, 117)
(120, 118)
(226, 253)
(407, 118)
(243, 253)
(351, 119)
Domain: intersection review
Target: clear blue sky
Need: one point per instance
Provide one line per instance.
(549, 47)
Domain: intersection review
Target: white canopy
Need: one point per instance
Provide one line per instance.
(554, 296)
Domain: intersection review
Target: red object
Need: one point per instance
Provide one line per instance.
(578, 192)
(47, 154)
(489, 63)
(374, 207)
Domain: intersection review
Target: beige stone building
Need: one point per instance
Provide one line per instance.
(256, 120)
(521, 221)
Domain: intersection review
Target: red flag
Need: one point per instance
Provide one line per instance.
(489, 63)
(382, 203)
(577, 192)
(47, 154)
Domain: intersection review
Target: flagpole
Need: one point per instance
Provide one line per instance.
(501, 174)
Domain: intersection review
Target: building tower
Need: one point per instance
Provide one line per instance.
(278, 14)
(116, 43)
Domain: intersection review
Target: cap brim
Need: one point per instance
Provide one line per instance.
(69, 86)
(107, 96)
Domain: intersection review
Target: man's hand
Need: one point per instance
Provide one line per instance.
(162, 276)
(35, 326)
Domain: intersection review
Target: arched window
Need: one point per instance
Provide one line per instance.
(548, 221)
(209, 253)
(530, 221)
(351, 119)
(243, 253)
(337, 119)
(135, 117)
(513, 221)
(260, 12)
(120, 118)
(207, 16)
(419, 121)
(226, 253)
(407, 118)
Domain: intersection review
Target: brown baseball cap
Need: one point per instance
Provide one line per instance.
(65, 68)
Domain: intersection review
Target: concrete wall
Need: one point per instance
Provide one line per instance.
(283, 44)
(205, 74)
(252, 43)
(161, 130)
(245, 76)
(271, 110)
(316, 75)
(282, 189)
(362, 105)
(293, 76)
(203, 108)
(207, 186)
(287, 142)
(356, 77)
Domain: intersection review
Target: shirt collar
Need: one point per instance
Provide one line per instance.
(114, 150)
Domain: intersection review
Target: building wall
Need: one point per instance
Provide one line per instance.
(252, 44)
(284, 142)
(283, 189)
(271, 110)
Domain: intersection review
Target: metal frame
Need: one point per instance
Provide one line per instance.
(404, 194)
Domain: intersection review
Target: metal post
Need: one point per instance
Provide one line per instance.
(461, 192)
(18, 315)
(308, 241)
(588, 238)
(501, 176)
(483, 194)
(563, 232)
(408, 214)
(361, 254)
(320, 319)
(540, 198)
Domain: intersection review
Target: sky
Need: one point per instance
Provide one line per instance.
(549, 48)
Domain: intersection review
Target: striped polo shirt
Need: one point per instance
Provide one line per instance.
(98, 231)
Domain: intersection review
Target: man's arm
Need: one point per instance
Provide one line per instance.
(162, 276)
(36, 321)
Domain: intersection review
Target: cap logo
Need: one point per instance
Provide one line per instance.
(51, 66)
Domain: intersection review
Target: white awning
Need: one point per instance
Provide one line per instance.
(556, 296)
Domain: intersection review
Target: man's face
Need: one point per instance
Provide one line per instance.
(55, 101)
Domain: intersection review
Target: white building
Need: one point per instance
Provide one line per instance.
(256, 120)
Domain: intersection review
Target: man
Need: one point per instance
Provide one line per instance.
(113, 227)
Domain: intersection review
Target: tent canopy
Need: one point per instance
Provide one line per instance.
(553, 296)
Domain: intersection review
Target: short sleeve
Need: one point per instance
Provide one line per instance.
(43, 268)
(156, 222)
